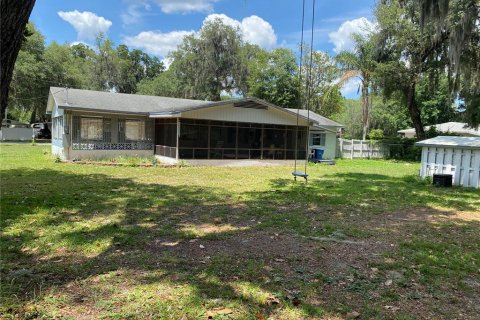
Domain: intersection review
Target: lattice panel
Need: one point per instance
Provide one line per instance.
(112, 146)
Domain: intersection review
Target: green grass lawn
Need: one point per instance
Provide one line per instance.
(363, 236)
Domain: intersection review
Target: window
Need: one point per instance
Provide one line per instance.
(134, 130)
(318, 139)
(91, 129)
(57, 127)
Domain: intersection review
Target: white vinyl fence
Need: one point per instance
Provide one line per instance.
(15, 134)
(357, 149)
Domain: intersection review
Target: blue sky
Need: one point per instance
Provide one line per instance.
(157, 26)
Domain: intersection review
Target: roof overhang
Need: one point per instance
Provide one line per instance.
(71, 108)
(157, 115)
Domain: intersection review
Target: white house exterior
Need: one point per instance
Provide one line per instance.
(458, 156)
(459, 128)
(92, 124)
(323, 134)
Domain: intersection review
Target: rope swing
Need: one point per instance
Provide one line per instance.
(308, 92)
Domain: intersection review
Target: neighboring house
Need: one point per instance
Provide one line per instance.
(459, 128)
(93, 124)
(458, 156)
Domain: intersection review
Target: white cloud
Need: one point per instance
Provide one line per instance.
(87, 24)
(79, 42)
(185, 6)
(342, 38)
(258, 31)
(167, 62)
(254, 29)
(136, 9)
(156, 43)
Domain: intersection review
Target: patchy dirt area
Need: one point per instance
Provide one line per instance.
(340, 271)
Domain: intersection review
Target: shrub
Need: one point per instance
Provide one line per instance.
(376, 134)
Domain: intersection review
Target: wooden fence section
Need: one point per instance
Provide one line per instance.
(357, 149)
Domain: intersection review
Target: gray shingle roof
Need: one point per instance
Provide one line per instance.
(450, 141)
(148, 105)
(121, 102)
(454, 127)
(322, 121)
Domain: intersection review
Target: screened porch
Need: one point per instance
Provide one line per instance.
(182, 138)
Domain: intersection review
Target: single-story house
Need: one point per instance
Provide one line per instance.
(93, 124)
(458, 156)
(459, 128)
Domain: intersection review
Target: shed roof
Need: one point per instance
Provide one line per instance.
(448, 141)
(322, 121)
(454, 127)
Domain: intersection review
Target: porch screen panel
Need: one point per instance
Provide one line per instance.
(76, 129)
(193, 136)
(209, 139)
(121, 130)
(107, 130)
(166, 132)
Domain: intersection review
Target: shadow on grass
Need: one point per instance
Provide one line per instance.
(61, 228)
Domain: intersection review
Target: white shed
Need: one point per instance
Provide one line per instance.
(458, 156)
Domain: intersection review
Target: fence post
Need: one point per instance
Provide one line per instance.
(351, 151)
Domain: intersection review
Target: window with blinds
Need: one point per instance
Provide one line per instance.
(57, 128)
(318, 139)
(91, 129)
(130, 130)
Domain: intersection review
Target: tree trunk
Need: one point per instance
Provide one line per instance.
(365, 110)
(33, 116)
(14, 16)
(414, 111)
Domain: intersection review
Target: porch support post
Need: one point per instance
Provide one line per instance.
(178, 137)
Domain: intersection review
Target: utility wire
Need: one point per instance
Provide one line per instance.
(309, 93)
(300, 86)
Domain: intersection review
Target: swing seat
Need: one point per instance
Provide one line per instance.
(300, 174)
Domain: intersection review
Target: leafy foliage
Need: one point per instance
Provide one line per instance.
(78, 66)
(273, 77)
(320, 72)
(360, 64)
(209, 63)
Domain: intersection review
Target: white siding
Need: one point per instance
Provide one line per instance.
(238, 114)
(462, 163)
(330, 143)
(58, 145)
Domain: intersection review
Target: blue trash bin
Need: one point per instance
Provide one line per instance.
(318, 154)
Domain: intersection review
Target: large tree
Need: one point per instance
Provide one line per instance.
(428, 39)
(273, 76)
(320, 72)
(360, 64)
(210, 63)
(29, 88)
(407, 55)
(14, 16)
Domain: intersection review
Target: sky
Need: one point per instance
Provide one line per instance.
(158, 26)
